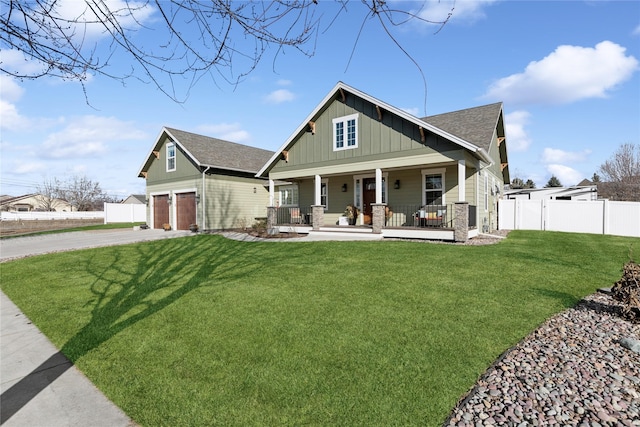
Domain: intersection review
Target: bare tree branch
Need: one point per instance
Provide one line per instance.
(166, 40)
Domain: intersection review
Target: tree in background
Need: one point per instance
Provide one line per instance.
(48, 194)
(553, 182)
(621, 174)
(79, 191)
(225, 38)
(518, 183)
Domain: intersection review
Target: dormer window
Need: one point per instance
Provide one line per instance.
(345, 132)
(171, 157)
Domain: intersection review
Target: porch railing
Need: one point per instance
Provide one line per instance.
(420, 216)
(289, 215)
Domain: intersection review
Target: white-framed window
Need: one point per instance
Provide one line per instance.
(171, 157)
(324, 193)
(288, 196)
(345, 132)
(433, 187)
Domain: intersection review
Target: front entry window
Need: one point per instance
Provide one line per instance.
(433, 186)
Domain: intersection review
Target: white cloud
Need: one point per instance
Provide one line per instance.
(284, 82)
(279, 96)
(569, 74)
(21, 168)
(10, 91)
(518, 139)
(14, 61)
(228, 131)
(567, 175)
(553, 155)
(12, 120)
(438, 11)
(636, 31)
(89, 136)
(129, 15)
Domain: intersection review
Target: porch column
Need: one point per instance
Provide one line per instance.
(272, 219)
(317, 217)
(378, 185)
(461, 181)
(317, 190)
(377, 213)
(272, 192)
(461, 222)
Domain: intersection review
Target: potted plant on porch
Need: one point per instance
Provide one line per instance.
(351, 212)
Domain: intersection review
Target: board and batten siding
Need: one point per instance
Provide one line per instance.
(157, 172)
(378, 141)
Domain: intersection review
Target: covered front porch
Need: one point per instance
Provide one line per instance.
(400, 203)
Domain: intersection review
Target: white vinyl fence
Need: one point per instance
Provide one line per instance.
(129, 212)
(595, 217)
(26, 216)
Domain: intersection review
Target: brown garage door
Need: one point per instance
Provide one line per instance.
(185, 210)
(160, 210)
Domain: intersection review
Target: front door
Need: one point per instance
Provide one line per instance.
(368, 198)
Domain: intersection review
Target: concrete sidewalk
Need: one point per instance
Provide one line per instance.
(41, 387)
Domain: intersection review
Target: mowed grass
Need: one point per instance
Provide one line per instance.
(208, 331)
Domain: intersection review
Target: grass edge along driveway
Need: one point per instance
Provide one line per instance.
(208, 331)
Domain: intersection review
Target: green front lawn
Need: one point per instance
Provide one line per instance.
(207, 331)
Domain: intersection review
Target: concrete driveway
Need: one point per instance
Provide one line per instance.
(20, 247)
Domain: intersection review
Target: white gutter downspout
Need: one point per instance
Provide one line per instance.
(204, 200)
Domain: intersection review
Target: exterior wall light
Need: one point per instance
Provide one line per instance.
(396, 184)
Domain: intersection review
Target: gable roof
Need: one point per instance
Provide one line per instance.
(479, 150)
(207, 152)
(475, 125)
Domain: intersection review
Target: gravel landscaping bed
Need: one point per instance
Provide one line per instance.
(577, 369)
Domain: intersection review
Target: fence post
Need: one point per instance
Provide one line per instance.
(461, 222)
(605, 216)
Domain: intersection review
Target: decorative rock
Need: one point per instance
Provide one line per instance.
(574, 370)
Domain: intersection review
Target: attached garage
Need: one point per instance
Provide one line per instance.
(160, 210)
(185, 210)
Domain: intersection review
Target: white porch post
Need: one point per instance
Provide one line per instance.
(378, 185)
(272, 192)
(318, 188)
(461, 181)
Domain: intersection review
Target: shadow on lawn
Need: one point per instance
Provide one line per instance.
(166, 271)
(566, 299)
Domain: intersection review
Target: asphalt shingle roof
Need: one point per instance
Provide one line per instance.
(475, 125)
(221, 154)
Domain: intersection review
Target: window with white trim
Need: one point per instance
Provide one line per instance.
(171, 157)
(288, 196)
(345, 132)
(433, 187)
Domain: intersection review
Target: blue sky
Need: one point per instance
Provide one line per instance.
(568, 73)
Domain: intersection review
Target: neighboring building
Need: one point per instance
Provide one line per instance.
(135, 199)
(34, 202)
(195, 179)
(354, 149)
(577, 192)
